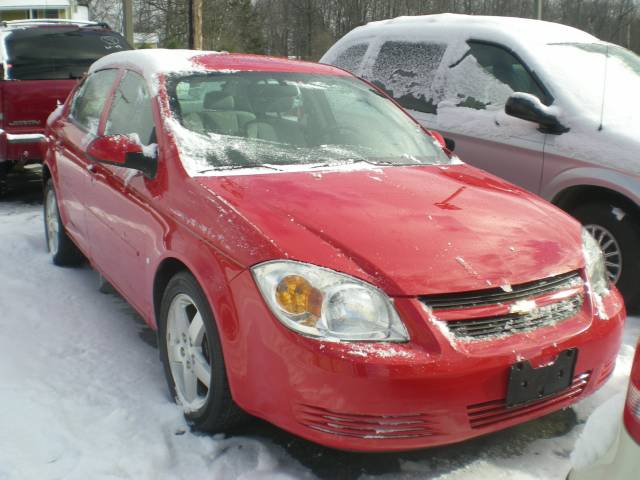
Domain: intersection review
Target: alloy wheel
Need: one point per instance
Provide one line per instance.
(188, 352)
(610, 249)
(52, 221)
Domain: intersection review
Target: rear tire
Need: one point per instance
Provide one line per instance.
(192, 357)
(618, 233)
(62, 249)
(5, 168)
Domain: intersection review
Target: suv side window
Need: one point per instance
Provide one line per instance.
(131, 112)
(406, 70)
(351, 58)
(488, 74)
(90, 98)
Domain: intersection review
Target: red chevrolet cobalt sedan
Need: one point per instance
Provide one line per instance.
(310, 255)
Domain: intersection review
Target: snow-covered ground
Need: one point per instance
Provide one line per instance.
(83, 396)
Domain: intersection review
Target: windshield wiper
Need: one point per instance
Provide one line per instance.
(218, 168)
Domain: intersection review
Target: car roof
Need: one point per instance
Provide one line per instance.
(520, 30)
(48, 23)
(157, 61)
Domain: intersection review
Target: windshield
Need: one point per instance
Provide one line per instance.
(592, 72)
(249, 119)
(53, 53)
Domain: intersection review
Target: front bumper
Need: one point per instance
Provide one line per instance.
(384, 397)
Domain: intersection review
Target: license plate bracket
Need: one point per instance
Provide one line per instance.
(528, 384)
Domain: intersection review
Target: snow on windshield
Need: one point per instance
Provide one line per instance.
(261, 120)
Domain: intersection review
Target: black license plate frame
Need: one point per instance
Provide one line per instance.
(527, 384)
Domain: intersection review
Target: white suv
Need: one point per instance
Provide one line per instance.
(546, 106)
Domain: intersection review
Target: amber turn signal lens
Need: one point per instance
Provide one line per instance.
(296, 296)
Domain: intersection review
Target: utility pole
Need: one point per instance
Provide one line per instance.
(539, 9)
(190, 23)
(127, 13)
(196, 20)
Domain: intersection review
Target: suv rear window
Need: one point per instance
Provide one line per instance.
(54, 53)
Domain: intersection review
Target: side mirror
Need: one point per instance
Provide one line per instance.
(123, 151)
(450, 143)
(528, 107)
(445, 143)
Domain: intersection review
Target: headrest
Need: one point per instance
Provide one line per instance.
(273, 98)
(218, 101)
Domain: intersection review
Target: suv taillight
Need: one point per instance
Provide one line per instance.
(632, 407)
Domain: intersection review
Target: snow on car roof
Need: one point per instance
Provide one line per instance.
(520, 29)
(156, 61)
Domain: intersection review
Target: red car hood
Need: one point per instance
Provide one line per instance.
(408, 230)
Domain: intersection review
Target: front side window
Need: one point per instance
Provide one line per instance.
(487, 75)
(259, 118)
(131, 112)
(58, 53)
(406, 71)
(90, 98)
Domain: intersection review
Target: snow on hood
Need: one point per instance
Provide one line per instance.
(408, 230)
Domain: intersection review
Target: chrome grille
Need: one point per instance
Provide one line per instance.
(493, 296)
(516, 323)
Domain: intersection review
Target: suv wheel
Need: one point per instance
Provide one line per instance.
(192, 357)
(62, 249)
(618, 234)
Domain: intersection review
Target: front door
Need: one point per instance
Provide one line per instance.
(120, 222)
(476, 88)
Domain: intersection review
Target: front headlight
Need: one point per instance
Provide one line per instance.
(594, 261)
(319, 302)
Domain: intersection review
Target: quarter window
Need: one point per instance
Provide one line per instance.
(131, 112)
(351, 58)
(90, 98)
(406, 71)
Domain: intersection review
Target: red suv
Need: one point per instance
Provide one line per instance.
(309, 254)
(40, 63)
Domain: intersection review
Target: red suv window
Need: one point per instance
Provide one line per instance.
(58, 52)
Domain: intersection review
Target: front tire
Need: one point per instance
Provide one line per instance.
(192, 357)
(618, 234)
(62, 249)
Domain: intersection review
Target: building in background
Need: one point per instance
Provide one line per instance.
(29, 9)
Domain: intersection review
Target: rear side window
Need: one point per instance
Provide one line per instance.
(406, 70)
(351, 58)
(131, 112)
(90, 98)
(54, 53)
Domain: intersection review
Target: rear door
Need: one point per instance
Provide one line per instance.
(43, 65)
(72, 134)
